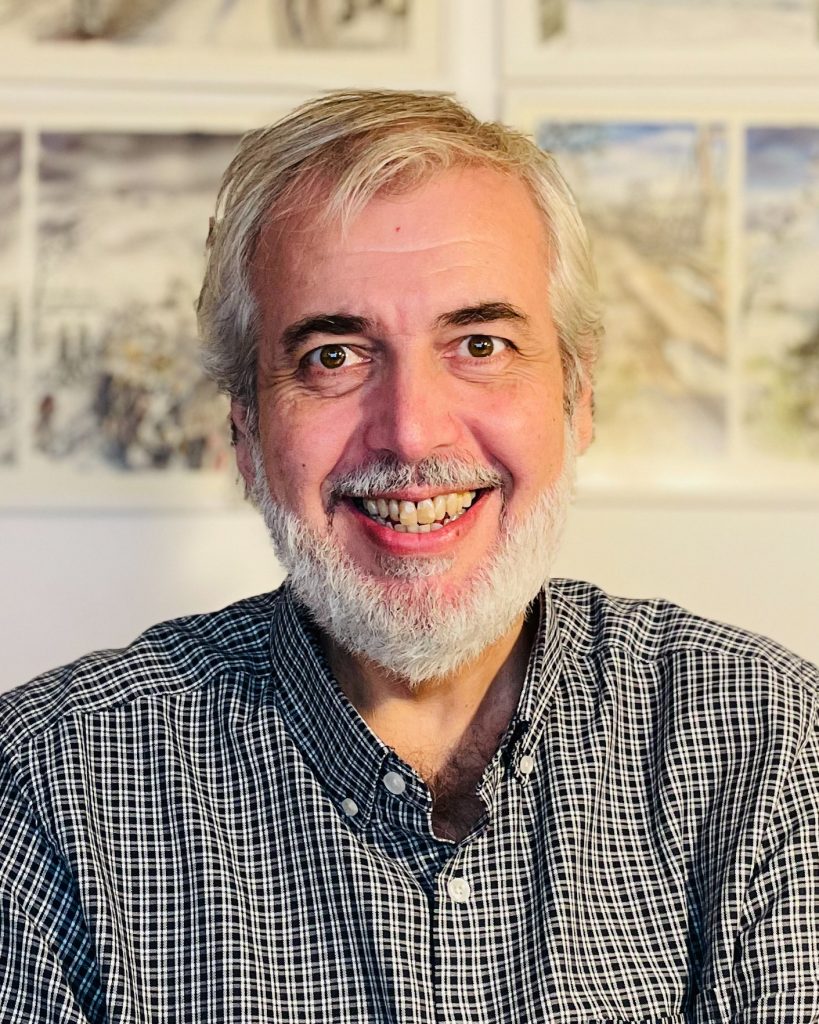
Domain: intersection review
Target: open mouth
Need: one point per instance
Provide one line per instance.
(425, 516)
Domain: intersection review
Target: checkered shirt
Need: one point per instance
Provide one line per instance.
(200, 828)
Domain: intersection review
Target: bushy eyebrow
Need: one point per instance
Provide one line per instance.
(338, 324)
(483, 313)
(343, 324)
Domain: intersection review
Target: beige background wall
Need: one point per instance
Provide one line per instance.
(77, 579)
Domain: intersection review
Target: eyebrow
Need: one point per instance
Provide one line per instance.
(482, 313)
(344, 324)
(338, 324)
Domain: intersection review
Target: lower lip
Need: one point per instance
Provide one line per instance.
(433, 542)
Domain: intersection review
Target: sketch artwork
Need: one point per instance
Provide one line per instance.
(653, 197)
(184, 23)
(343, 24)
(781, 302)
(122, 221)
(673, 23)
(10, 154)
(239, 24)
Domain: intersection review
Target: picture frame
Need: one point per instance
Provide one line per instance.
(687, 41)
(741, 467)
(112, 218)
(215, 45)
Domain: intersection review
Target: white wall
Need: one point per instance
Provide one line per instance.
(80, 582)
(75, 581)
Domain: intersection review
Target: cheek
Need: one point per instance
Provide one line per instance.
(523, 430)
(521, 419)
(303, 443)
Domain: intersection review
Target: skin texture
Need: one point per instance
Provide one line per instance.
(411, 385)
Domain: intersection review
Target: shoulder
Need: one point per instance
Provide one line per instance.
(170, 658)
(653, 629)
(693, 668)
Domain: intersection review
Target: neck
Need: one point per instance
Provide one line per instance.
(430, 725)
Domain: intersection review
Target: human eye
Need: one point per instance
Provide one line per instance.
(481, 346)
(331, 357)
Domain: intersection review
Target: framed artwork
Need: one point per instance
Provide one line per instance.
(10, 253)
(705, 232)
(121, 222)
(780, 309)
(103, 400)
(308, 42)
(591, 40)
(653, 195)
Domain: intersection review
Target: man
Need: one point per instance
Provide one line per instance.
(413, 784)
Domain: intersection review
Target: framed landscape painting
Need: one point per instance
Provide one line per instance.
(705, 234)
(103, 400)
(780, 321)
(653, 196)
(10, 258)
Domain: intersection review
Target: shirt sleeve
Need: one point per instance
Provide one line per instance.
(776, 955)
(48, 972)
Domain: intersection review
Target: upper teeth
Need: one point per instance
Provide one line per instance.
(427, 512)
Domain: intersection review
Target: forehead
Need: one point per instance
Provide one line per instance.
(463, 229)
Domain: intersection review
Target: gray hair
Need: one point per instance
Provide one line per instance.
(336, 153)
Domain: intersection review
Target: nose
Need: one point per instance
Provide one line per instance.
(413, 412)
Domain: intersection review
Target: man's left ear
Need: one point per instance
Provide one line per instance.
(583, 417)
(241, 442)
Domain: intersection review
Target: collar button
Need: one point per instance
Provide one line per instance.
(394, 783)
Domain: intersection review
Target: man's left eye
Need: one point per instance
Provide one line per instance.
(479, 346)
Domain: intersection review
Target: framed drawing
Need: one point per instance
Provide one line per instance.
(592, 40)
(10, 253)
(653, 195)
(315, 42)
(103, 400)
(780, 321)
(705, 230)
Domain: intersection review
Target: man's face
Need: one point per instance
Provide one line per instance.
(423, 329)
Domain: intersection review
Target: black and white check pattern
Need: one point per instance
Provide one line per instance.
(198, 829)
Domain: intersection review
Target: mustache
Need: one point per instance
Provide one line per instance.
(388, 473)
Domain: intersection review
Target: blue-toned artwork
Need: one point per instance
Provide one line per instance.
(653, 197)
(781, 299)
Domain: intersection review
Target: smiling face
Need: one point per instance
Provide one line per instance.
(419, 341)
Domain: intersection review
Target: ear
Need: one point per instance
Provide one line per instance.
(241, 442)
(583, 416)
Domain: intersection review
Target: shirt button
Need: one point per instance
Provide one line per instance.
(527, 765)
(350, 807)
(459, 889)
(394, 783)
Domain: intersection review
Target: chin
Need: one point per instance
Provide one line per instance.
(419, 618)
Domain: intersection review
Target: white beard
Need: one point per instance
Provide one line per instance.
(402, 620)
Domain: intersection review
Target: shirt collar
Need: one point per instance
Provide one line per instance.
(344, 753)
(543, 673)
